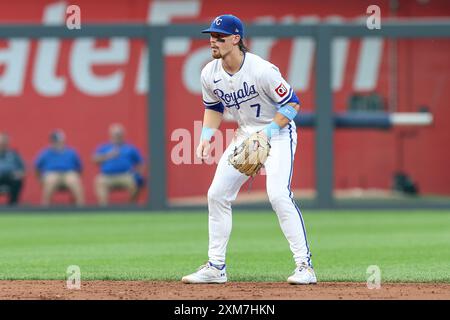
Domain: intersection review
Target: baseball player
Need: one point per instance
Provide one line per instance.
(254, 92)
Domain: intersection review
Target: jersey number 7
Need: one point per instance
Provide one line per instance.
(258, 108)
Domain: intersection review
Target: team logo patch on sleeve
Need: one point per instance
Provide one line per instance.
(281, 90)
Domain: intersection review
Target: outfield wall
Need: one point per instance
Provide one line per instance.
(84, 85)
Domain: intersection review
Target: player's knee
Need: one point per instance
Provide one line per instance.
(276, 197)
(215, 195)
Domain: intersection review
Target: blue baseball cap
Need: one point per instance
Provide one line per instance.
(226, 24)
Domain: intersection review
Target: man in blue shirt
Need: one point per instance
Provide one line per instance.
(59, 166)
(12, 170)
(121, 166)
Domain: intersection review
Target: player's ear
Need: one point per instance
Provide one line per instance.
(236, 39)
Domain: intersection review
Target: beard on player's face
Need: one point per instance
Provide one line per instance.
(221, 52)
(215, 53)
(220, 45)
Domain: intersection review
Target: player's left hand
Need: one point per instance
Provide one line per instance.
(251, 155)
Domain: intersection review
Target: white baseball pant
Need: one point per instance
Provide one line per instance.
(225, 187)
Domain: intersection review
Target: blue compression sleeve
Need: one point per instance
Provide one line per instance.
(271, 128)
(207, 133)
(288, 111)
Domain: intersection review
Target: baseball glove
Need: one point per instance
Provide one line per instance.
(251, 155)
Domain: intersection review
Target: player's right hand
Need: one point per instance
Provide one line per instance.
(203, 149)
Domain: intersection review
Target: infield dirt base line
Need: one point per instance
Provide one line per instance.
(174, 290)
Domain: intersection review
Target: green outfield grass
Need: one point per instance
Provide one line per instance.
(407, 246)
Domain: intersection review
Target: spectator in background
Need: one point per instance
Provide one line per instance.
(12, 170)
(121, 166)
(59, 167)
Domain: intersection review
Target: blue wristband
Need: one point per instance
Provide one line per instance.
(207, 133)
(271, 128)
(288, 111)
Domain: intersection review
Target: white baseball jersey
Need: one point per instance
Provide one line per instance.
(252, 95)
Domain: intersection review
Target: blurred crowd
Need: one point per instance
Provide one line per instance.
(59, 168)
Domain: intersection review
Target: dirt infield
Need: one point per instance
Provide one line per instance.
(160, 290)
